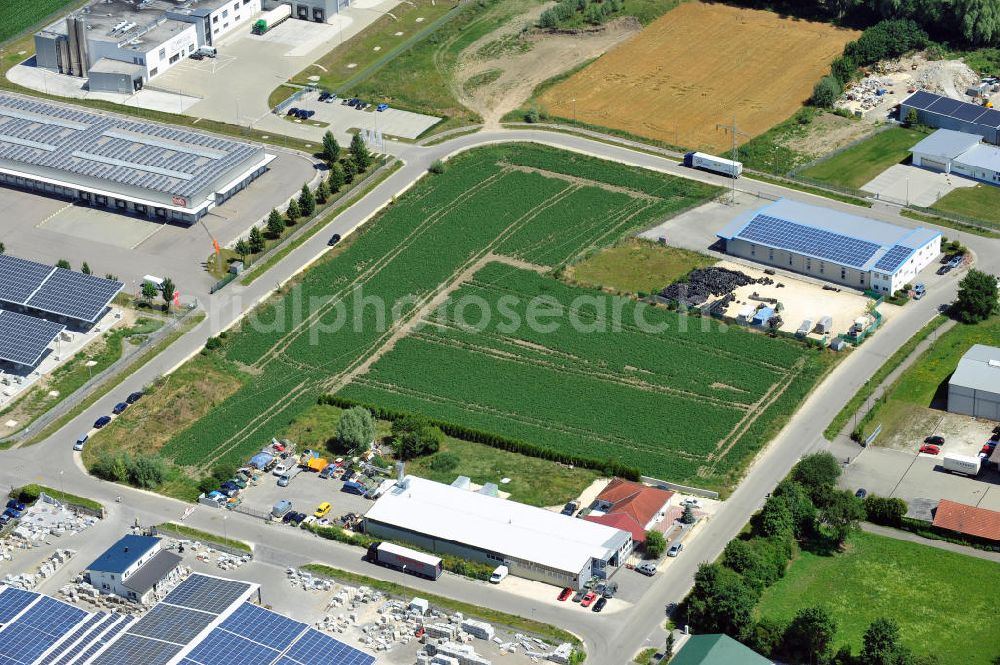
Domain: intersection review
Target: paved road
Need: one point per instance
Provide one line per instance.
(610, 638)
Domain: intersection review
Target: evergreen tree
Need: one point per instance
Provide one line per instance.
(293, 213)
(359, 152)
(322, 192)
(256, 241)
(275, 224)
(331, 149)
(307, 202)
(337, 177)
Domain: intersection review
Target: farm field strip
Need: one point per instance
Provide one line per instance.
(664, 83)
(442, 226)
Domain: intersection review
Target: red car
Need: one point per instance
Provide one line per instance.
(588, 599)
(988, 448)
(929, 449)
(565, 593)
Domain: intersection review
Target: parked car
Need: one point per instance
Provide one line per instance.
(101, 422)
(323, 96)
(80, 442)
(861, 493)
(565, 593)
(12, 514)
(196, 56)
(134, 397)
(930, 449)
(675, 549)
(919, 291)
(589, 598)
(988, 447)
(327, 472)
(331, 98)
(323, 510)
(279, 469)
(599, 605)
(119, 408)
(647, 569)
(334, 239)
(571, 508)
(382, 107)
(292, 111)
(956, 261)
(935, 440)
(943, 270)
(694, 503)
(499, 574)
(310, 113)
(293, 518)
(14, 504)
(578, 596)
(280, 509)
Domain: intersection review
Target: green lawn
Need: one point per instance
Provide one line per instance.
(981, 203)
(857, 165)
(925, 381)
(943, 601)
(637, 266)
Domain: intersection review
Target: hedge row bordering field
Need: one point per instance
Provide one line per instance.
(489, 439)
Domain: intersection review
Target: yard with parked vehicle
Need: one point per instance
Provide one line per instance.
(938, 598)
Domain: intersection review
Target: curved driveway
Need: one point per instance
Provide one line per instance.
(612, 637)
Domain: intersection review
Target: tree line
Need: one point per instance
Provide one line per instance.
(806, 510)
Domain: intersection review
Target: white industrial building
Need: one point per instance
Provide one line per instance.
(963, 154)
(838, 247)
(974, 388)
(532, 542)
(120, 164)
(133, 568)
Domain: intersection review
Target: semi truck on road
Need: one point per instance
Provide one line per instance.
(269, 20)
(406, 560)
(705, 162)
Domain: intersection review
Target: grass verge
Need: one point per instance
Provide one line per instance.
(510, 620)
(58, 495)
(189, 533)
(930, 593)
(895, 360)
(949, 223)
(857, 165)
(346, 201)
(981, 203)
(116, 380)
(635, 266)
(809, 189)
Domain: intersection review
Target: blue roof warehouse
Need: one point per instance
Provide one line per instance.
(837, 247)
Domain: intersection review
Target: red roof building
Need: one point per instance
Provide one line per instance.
(630, 506)
(969, 520)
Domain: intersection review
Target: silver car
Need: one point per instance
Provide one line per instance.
(675, 549)
(647, 569)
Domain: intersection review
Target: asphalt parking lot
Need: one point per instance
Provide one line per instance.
(391, 122)
(917, 478)
(905, 183)
(47, 229)
(306, 491)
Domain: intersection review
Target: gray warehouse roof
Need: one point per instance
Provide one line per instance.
(81, 147)
(979, 369)
(981, 156)
(947, 144)
(154, 570)
(829, 235)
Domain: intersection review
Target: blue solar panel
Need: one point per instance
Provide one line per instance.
(73, 637)
(208, 594)
(24, 339)
(315, 648)
(133, 650)
(782, 234)
(944, 106)
(75, 295)
(19, 278)
(893, 258)
(105, 638)
(991, 118)
(921, 100)
(263, 626)
(222, 648)
(12, 601)
(179, 625)
(38, 629)
(969, 112)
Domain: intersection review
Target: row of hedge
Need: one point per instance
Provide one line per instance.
(609, 467)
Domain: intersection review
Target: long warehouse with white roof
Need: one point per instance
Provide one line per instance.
(834, 246)
(532, 542)
(120, 164)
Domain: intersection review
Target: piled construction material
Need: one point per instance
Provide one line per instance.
(438, 630)
(480, 629)
(463, 653)
(46, 569)
(703, 283)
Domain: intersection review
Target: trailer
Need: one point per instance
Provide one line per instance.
(406, 560)
(269, 20)
(967, 465)
(706, 162)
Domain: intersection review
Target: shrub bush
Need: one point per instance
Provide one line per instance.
(444, 461)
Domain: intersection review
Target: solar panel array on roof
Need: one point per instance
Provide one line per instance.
(263, 626)
(834, 247)
(161, 159)
(24, 339)
(12, 601)
(315, 648)
(38, 629)
(75, 295)
(131, 649)
(172, 624)
(953, 108)
(894, 258)
(19, 278)
(208, 594)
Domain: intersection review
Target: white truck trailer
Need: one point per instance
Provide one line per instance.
(270, 19)
(964, 464)
(705, 162)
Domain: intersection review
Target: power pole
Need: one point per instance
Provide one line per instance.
(735, 133)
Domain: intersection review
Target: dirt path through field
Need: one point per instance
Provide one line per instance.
(517, 63)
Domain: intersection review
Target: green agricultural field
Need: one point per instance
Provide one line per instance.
(636, 266)
(981, 203)
(938, 598)
(16, 16)
(857, 165)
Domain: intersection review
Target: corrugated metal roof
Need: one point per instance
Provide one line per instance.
(153, 571)
(947, 144)
(975, 372)
(509, 528)
(981, 156)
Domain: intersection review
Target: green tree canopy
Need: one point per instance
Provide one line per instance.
(841, 513)
(881, 644)
(331, 149)
(242, 248)
(336, 178)
(356, 428)
(167, 292)
(977, 297)
(85, 269)
(322, 192)
(826, 91)
(359, 153)
(414, 436)
(720, 602)
(656, 544)
(256, 241)
(799, 504)
(63, 263)
(148, 291)
(275, 224)
(307, 202)
(816, 473)
(809, 636)
(293, 212)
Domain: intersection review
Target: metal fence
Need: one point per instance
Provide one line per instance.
(95, 381)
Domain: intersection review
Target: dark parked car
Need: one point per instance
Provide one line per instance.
(578, 596)
(119, 408)
(599, 605)
(944, 269)
(570, 508)
(292, 111)
(287, 517)
(861, 493)
(196, 56)
(134, 397)
(334, 239)
(296, 518)
(101, 422)
(935, 440)
(14, 504)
